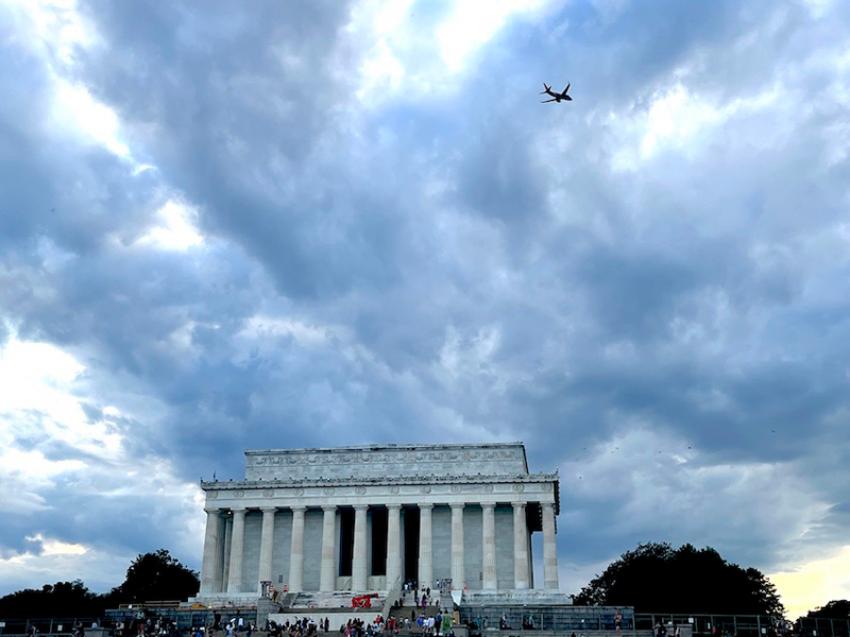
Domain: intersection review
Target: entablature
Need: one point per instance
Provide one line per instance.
(539, 488)
(435, 479)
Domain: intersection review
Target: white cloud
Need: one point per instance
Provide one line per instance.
(57, 547)
(408, 51)
(471, 25)
(678, 120)
(75, 109)
(42, 392)
(177, 228)
(38, 391)
(53, 28)
(50, 560)
(56, 31)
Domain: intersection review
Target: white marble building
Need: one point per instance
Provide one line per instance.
(365, 518)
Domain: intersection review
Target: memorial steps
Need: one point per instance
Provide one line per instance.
(402, 612)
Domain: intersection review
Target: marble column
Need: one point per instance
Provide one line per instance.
(359, 571)
(457, 547)
(327, 574)
(426, 577)
(211, 566)
(228, 533)
(520, 547)
(296, 551)
(266, 547)
(488, 542)
(393, 544)
(237, 545)
(550, 548)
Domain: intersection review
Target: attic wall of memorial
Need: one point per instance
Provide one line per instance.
(383, 462)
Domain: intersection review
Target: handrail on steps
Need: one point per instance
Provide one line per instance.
(392, 595)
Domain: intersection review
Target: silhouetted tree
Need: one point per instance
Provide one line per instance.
(152, 576)
(658, 578)
(156, 576)
(68, 599)
(836, 609)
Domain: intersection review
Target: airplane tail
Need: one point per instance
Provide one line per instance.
(546, 88)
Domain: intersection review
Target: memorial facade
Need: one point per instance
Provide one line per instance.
(366, 518)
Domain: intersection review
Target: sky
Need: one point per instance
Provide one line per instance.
(227, 226)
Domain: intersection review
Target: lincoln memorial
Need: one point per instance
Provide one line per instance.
(366, 518)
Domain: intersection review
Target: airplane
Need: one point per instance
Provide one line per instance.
(556, 97)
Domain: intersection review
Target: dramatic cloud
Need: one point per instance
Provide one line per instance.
(324, 223)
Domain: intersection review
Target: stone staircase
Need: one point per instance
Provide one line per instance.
(412, 612)
(410, 609)
(411, 598)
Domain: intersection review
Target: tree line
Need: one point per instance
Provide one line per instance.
(152, 576)
(654, 577)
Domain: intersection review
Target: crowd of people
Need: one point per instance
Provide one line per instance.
(299, 627)
(438, 625)
(420, 598)
(143, 626)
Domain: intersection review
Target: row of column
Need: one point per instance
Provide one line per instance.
(232, 570)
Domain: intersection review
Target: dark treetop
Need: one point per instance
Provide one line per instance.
(659, 578)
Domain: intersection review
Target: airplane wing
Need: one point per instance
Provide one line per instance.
(552, 100)
(566, 89)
